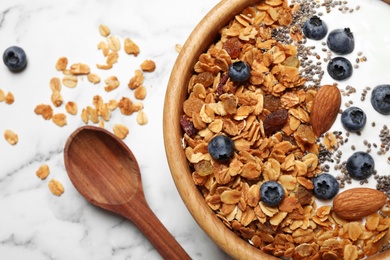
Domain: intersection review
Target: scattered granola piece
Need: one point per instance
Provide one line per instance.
(120, 131)
(71, 107)
(70, 81)
(148, 66)
(114, 43)
(131, 47)
(85, 116)
(140, 93)
(43, 171)
(80, 69)
(112, 104)
(9, 98)
(112, 58)
(59, 119)
(93, 78)
(56, 187)
(2, 95)
(45, 110)
(142, 119)
(104, 30)
(104, 47)
(55, 84)
(125, 106)
(178, 47)
(136, 80)
(112, 83)
(61, 64)
(56, 98)
(11, 137)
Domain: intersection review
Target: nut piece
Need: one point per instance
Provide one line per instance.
(326, 106)
(11, 137)
(71, 108)
(148, 66)
(56, 187)
(62, 63)
(59, 119)
(43, 171)
(104, 30)
(131, 47)
(356, 203)
(120, 131)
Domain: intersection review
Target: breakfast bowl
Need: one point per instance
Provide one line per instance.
(235, 241)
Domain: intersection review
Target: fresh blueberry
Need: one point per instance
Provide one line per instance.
(15, 58)
(340, 68)
(239, 71)
(314, 28)
(380, 99)
(221, 148)
(353, 119)
(272, 193)
(360, 166)
(341, 41)
(325, 186)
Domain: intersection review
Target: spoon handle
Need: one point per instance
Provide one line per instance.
(147, 222)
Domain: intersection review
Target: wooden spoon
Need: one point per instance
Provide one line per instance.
(104, 170)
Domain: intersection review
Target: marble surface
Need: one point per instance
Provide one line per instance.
(35, 224)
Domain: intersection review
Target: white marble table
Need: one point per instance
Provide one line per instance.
(35, 224)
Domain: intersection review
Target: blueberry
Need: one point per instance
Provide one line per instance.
(239, 71)
(325, 186)
(272, 193)
(341, 41)
(314, 28)
(340, 68)
(360, 166)
(221, 148)
(15, 58)
(380, 99)
(353, 119)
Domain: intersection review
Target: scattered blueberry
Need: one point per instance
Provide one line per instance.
(239, 71)
(272, 193)
(221, 148)
(380, 99)
(360, 166)
(340, 68)
(15, 58)
(314, 28)
(353, 119)
(325, 186)
(341, 41)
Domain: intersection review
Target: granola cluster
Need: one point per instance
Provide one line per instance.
(268, 118)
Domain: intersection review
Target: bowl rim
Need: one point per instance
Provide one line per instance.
(201, 37)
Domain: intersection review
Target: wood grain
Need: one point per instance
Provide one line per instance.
(104, 170)
(202, 36)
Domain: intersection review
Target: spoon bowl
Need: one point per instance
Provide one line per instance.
(104, 170)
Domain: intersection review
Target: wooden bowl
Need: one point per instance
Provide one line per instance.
(203, 35)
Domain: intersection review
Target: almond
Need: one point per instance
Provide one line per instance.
(326, 106)
(356, 203)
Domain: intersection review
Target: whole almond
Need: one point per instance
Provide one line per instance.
(356, 203)
(326, 106)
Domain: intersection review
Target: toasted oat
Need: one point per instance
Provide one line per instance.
(104, 47)
(70, 81)
(71, 107)
(45, 110)
(93, 78)
(131, 47)
(140, 93)
(148, 66)
(104, 66)
(43, 171)
(2, 95)
(178, 47)
(112, 83)
(56, 98)
(112, 104)
(85, 116)
(9, 98)
(104, 30)
(126, 106)
(62, 63)
(114, 43)
(112, 58)
(136, 80)
(11, 137)
(142, 119)
(80, 69)
(120, 131)
(56, 187)
(55, 84)
(59, 119)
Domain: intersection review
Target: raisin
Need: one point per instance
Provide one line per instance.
(271, 103)
(188, 127)
(205, 78)
(233, 47)
(304, 195)
(204, 168)
(275, 121)
(222, 83)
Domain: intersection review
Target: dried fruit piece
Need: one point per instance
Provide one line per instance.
(104, 30)
(233, 47)
(148, 66)
(188, 127)
(56, 187)
(131, 47)
(11, 137)
(43, 171)
(356, 203)
(325, 108)
(61, 64)
(120, 131)
(275, 121)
